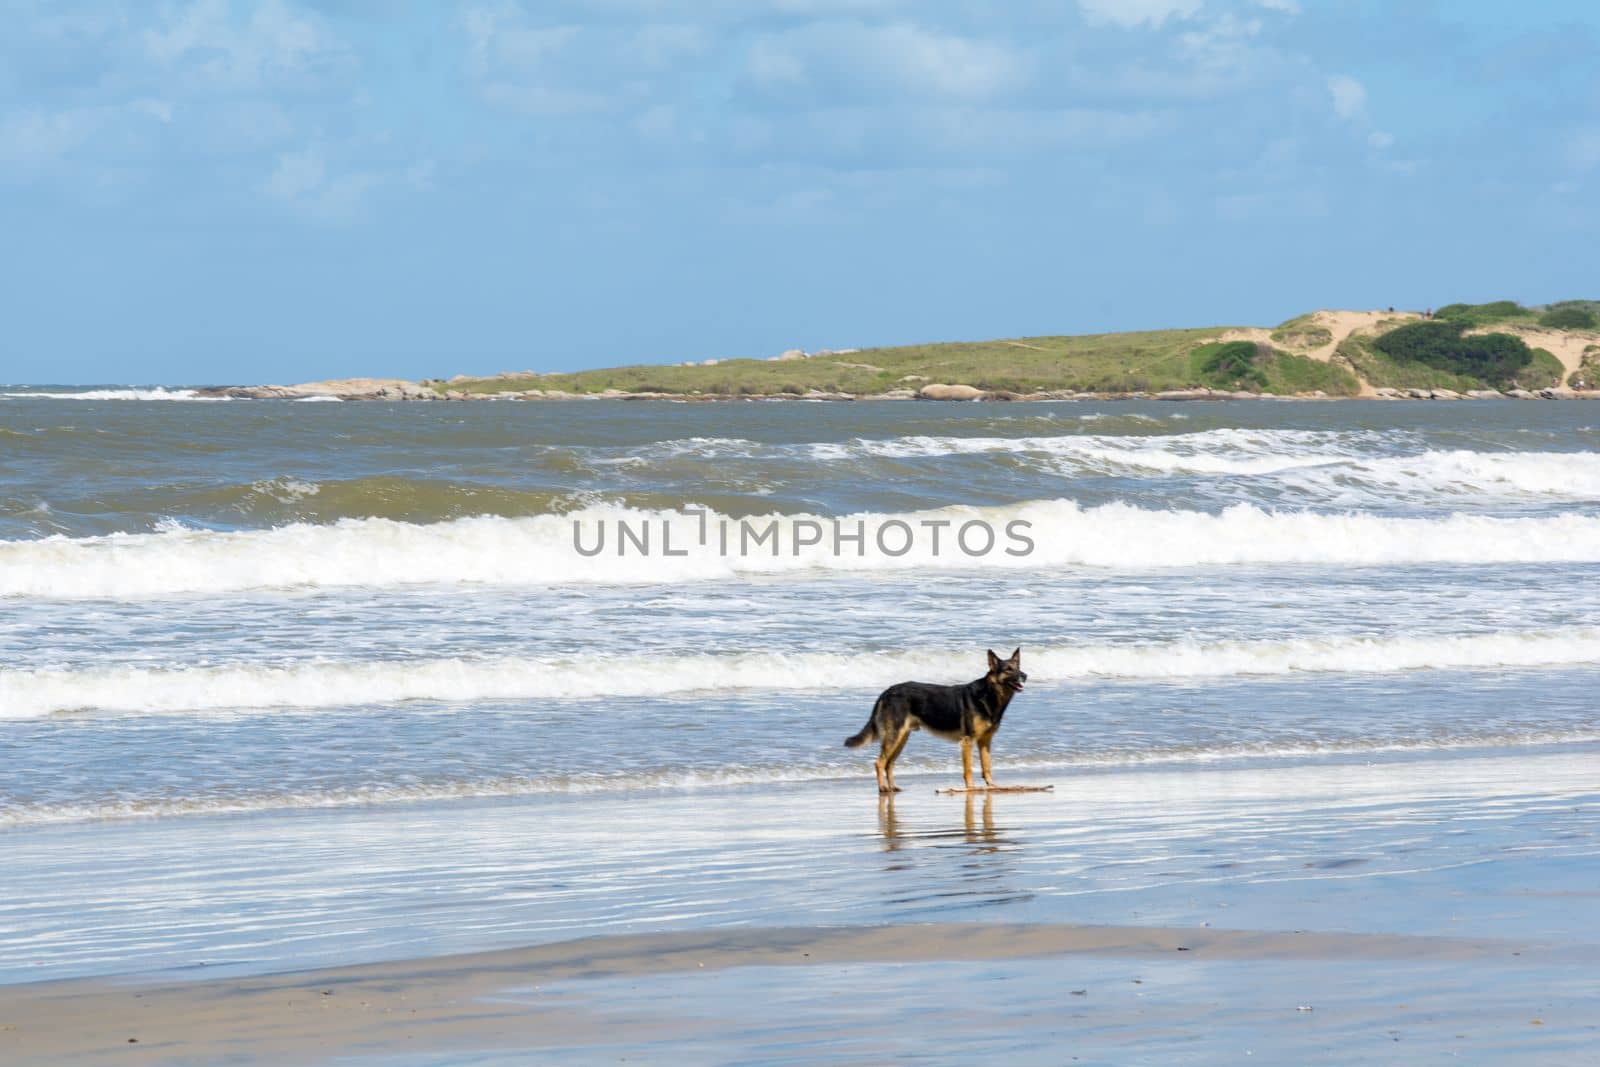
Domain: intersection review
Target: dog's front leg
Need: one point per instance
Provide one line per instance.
(966, 761)
(983, 758)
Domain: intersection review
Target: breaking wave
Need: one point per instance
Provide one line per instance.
(1322, 464)
(34, 694)
(540, 550)
(155, 393)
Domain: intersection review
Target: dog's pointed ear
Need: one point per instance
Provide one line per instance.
(994, 661)
(1016, 657)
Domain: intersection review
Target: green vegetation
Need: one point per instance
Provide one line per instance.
(1443, 353)
(1228, 365)
(1568, 318)
(1289, 374)
(1491, 357)
(1470, 315)
(1543, 371)
(1247, 366)
(1302, 332)
(1382, 370)
(1122, 362)
(1588, 371)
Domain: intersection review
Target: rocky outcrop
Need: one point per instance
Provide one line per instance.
(337, 389)
(938, 391)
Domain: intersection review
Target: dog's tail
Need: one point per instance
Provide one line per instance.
(868, 732)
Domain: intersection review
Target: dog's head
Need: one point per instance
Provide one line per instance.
(1007, 674)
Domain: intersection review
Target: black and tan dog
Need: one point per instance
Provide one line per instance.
(967, 714)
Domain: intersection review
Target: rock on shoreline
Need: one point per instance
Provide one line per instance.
(336, 389)
(402, 389)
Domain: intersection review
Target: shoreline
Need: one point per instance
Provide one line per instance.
(1296, 910)
(397, 390)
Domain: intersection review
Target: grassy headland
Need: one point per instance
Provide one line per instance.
(1499, 346)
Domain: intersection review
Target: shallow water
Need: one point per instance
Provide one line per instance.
(1484, 843)
(226, 605)
(287, 610)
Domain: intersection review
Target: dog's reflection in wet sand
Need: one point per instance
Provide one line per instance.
(977, 822)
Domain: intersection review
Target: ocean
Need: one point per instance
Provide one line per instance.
(288, 683)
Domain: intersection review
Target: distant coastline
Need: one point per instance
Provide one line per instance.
(1461, 351)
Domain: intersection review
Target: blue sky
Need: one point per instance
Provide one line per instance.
(214, 191)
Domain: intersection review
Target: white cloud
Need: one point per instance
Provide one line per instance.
(1349, 97)
(160, 110)
(663, 44)
(302, 183)
(846, 57)
(1222, 44)
(275, 44)
(1380, 139)
(496, 41)
(772, 65)
(949, 65)
(34, 141)
(537, 70)
(1131, 13)
(297, 174)
(1288, 7)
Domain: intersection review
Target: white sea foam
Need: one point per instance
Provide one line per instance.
(1224, 450)
(1343, 467)
(157, 393)
(540, 550)
(29, 694)
(286, 490)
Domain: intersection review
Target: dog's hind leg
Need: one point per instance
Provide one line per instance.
(892, 748)
(886, 750)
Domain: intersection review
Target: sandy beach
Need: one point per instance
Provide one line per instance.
(1415, 907)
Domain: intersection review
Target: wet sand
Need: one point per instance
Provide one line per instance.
(652, 992)
(1428, 905)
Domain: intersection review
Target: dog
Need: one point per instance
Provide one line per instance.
(966, 714)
